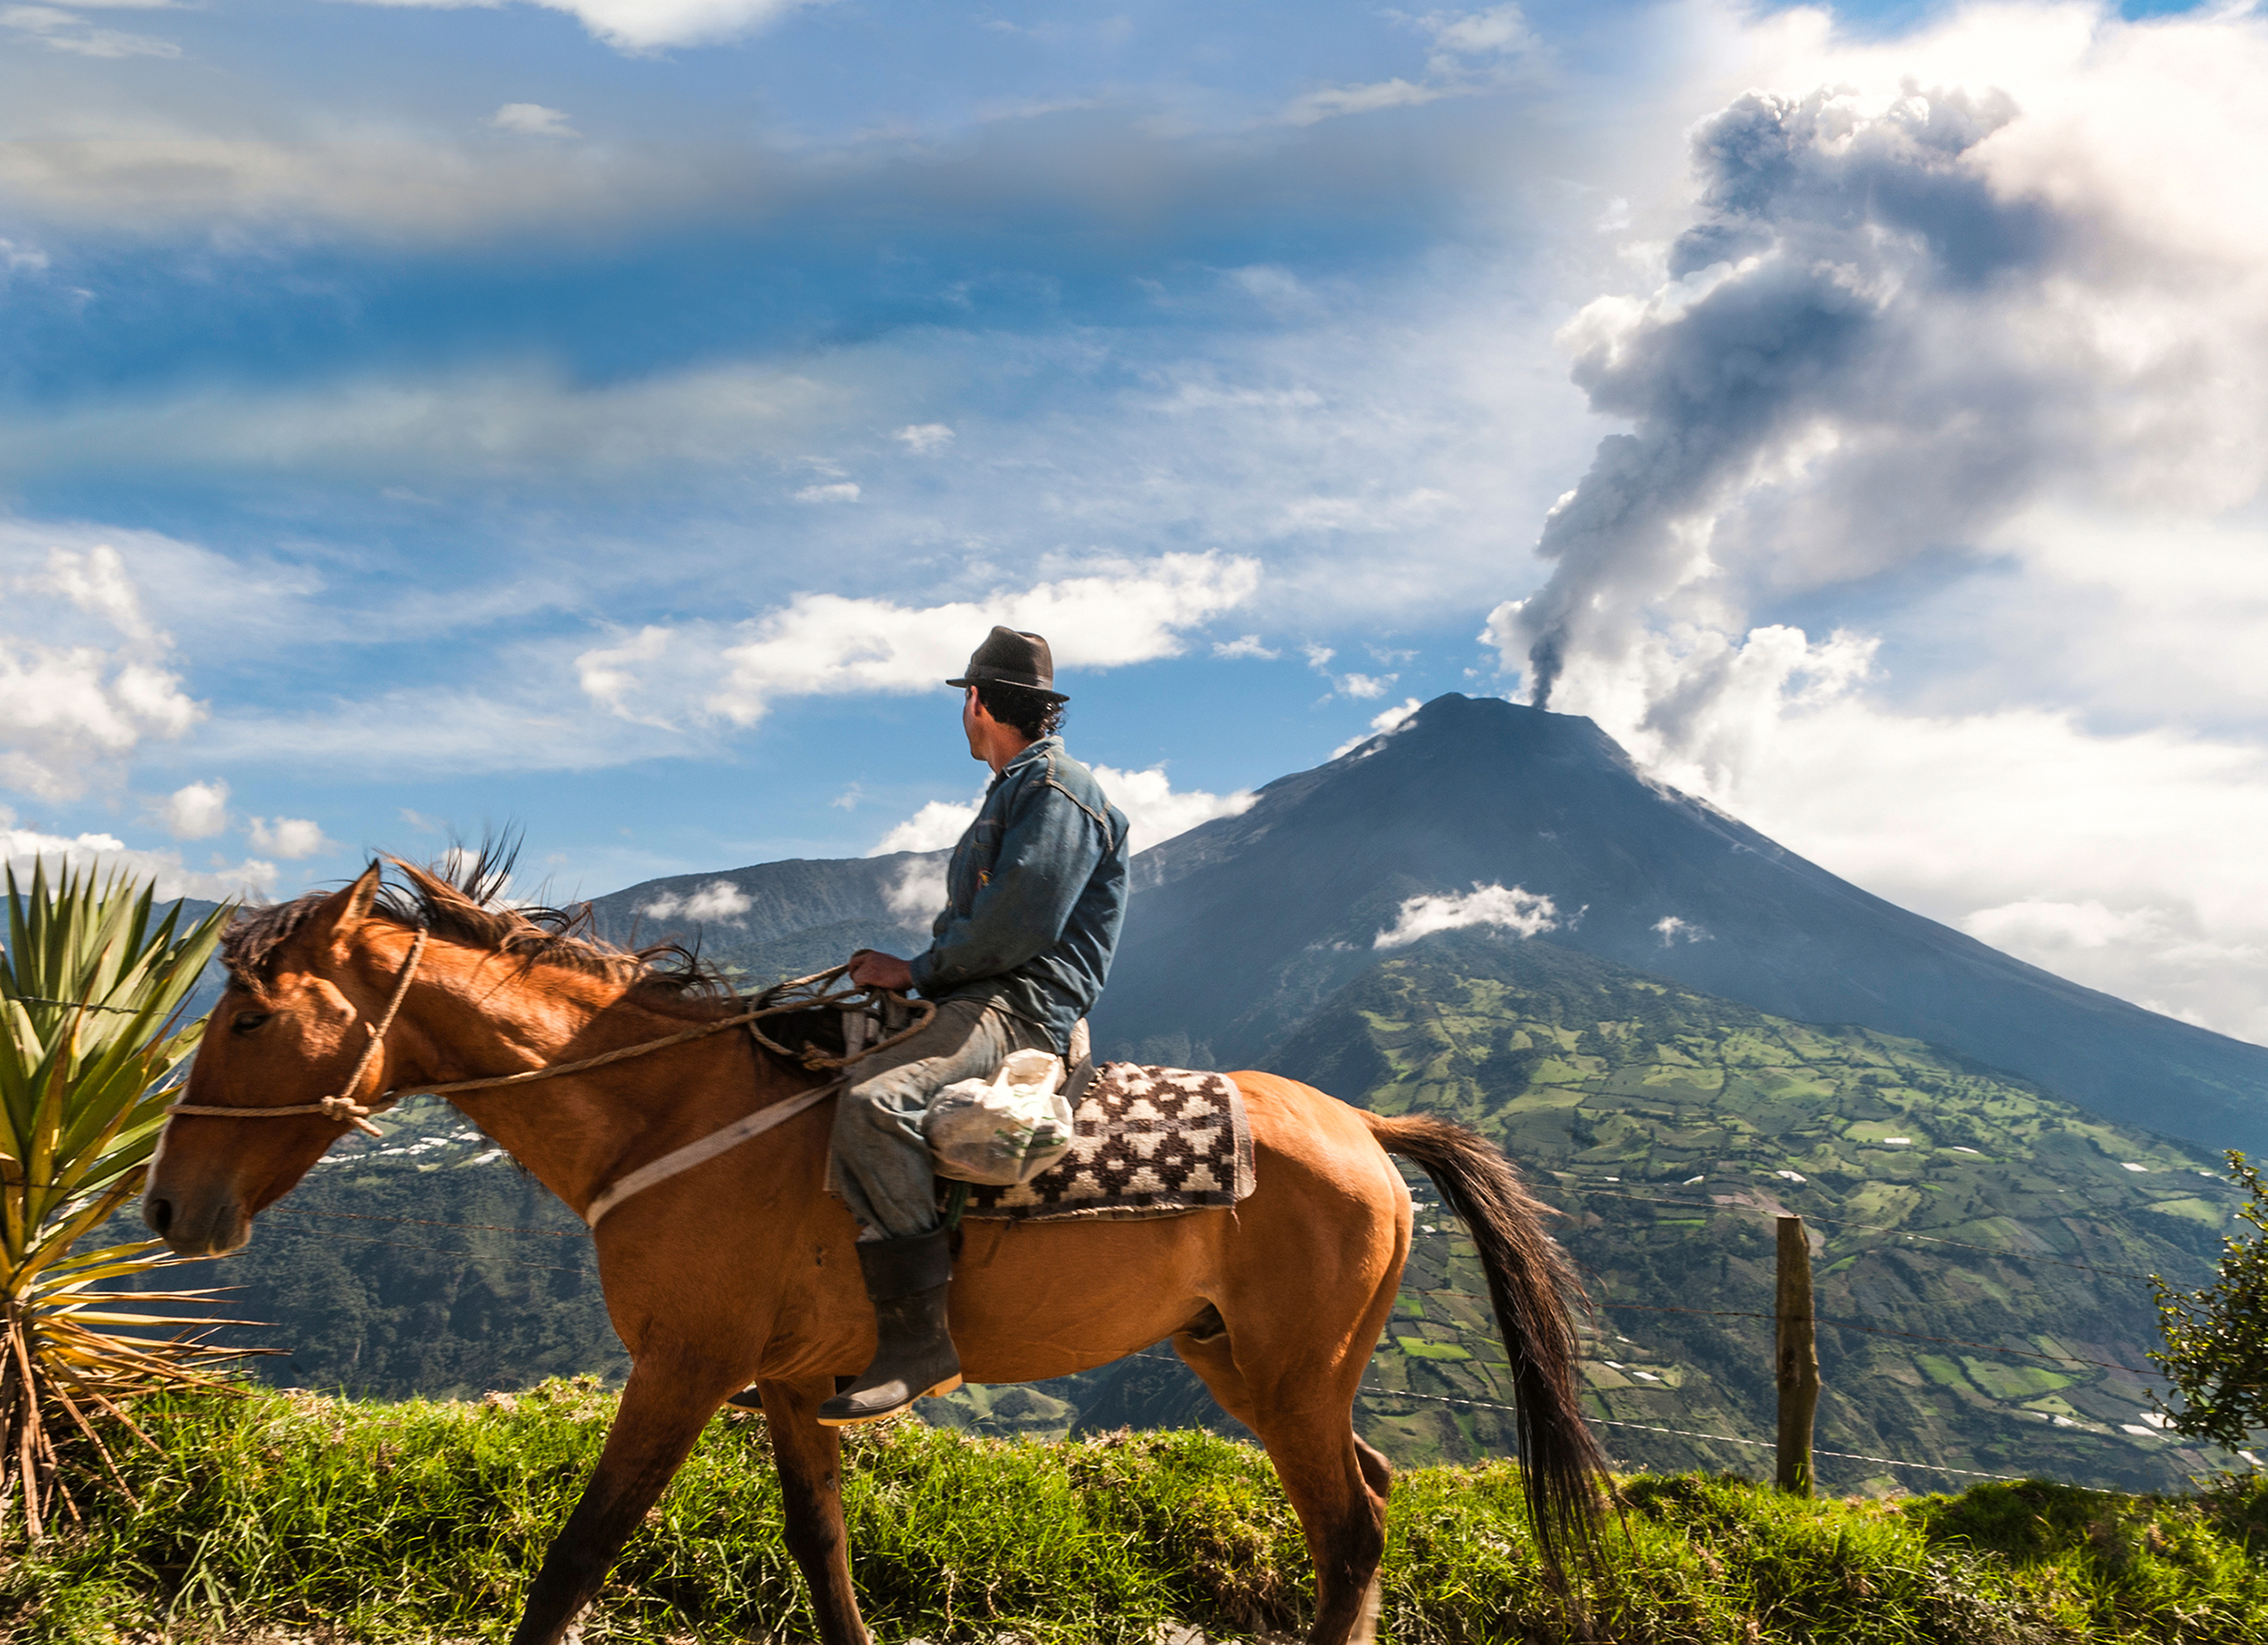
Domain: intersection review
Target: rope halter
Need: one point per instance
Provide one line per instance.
(341, 1107)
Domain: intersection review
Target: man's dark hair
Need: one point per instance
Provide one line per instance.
(1032, 712)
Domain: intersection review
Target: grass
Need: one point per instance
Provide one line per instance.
(421, 1522)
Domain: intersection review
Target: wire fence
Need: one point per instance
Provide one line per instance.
(1732, 1206)
(1370, 1391)
(1877, 1330)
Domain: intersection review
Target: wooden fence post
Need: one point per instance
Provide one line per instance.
(1795, 1357)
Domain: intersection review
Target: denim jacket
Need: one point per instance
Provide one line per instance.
(1036, 894)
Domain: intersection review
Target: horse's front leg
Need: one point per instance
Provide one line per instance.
(665, 1406)
(810, 1461)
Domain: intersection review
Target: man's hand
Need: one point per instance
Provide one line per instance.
(869, 969)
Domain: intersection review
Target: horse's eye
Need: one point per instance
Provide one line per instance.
(247, 1020)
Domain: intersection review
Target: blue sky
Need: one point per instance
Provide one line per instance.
(603, 416)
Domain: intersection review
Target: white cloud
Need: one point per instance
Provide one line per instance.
(1394, 719)
(520, 724)
(21, 847)
(1474, 53)
(188, 174)
(291, 838)
(95, 582)
(1330, 102)
(1364, 687)
(719, 902)
(1155, 813)
(835, 645)
(1674, 929)
(75, 701)
(2036, 925)
(198, 811)
(1368, 512)
(61, 30)
(610, 674)
(533, 120)
(1381, 724)
(921, 438)
(485, 423)
(834, 492)
(918, 893)
(936, 825)
(1521, 912)
(1498, 32)
(2127, 861)
(1245, 645)
(647, 26)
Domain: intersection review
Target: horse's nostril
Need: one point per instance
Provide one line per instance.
(158, 1212)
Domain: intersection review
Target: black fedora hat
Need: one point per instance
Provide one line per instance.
(1008, 657)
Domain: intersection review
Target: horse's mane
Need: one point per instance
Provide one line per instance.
(461, 899)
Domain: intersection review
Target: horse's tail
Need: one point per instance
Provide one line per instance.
(1534, 1288)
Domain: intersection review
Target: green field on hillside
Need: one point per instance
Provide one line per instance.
(298, 1517)
(1947, 1202)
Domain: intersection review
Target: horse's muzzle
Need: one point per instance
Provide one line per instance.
(195, 1225)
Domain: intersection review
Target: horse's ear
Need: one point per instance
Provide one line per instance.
(342, 910)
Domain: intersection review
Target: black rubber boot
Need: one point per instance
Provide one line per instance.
(907, 1280)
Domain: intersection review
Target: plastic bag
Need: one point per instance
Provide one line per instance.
(1002, 1131)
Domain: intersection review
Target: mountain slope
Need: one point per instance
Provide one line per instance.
(1945, 1202)
(784, 918)
(1241, 928)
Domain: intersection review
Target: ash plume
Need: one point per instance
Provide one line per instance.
(1808, 397)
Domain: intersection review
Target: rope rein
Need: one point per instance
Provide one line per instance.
(343, 1109)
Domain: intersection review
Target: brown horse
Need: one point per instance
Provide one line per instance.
(741, 1270)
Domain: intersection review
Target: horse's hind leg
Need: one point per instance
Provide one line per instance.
(662, 1413)
(810, 1461)
(1337, 1484)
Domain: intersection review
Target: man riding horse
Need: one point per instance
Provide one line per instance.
(724, 1271)
(1036, 894)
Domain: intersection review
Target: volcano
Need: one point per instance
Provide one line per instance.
(1241, 928)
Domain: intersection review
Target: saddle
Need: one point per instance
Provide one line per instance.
(1147, 1141)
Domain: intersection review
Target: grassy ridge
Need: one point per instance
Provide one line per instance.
(422, 1522)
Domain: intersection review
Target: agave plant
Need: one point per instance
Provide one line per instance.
(93, 988)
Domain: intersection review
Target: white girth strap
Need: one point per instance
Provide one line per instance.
(708, 1147)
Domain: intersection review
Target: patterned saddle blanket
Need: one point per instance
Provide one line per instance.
(1149, 1142)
